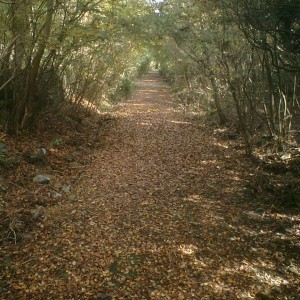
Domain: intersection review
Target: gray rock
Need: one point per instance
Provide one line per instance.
(42, 151)
(3, 148)
(42, 179)
(66, 189)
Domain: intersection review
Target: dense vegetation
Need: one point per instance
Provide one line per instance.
(57, 52)
(239, 59)
(75, 167)
(236, 59)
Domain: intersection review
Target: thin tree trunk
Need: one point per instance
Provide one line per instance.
(21, 37)
(217, 100)
(32, 78)
(242, 124)
(271, 100)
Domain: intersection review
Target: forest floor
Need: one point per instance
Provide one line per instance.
(163, 212)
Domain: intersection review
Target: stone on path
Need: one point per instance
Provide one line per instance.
(3, 148)
(42, 179)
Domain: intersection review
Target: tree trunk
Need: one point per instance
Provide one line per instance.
(272, 94)
(19, 11)
(217, 100)
(33, 73)
(241, 119)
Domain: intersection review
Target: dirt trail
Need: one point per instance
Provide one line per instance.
(161, 214)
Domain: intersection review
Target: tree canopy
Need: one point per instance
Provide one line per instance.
(239, 59)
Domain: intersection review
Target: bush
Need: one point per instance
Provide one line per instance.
(124, 90)
(126, 87)
(144, 66)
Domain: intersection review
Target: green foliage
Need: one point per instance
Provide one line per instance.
(234, 53)
(2, 157)
(241, 55)
(91, 44)
(124, 89)
(56, 142)
(144, 66)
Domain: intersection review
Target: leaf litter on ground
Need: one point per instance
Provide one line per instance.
(162, 212)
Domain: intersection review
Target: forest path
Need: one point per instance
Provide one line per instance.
(161, 214)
